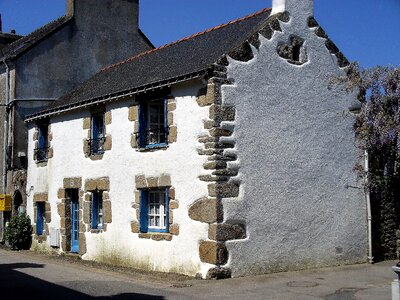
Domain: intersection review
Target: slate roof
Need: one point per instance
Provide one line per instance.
(18, 47)
(188, 57)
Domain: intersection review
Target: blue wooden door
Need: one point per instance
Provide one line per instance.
(75, 225)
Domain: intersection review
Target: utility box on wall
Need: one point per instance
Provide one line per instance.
(5, 202)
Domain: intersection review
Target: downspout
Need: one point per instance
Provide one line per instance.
(369, 215)
(6, 127)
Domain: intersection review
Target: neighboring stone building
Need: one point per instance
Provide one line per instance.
(5, 39)
(222, 154)
(37, 69)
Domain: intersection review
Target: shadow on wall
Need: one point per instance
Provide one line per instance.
(16, 285)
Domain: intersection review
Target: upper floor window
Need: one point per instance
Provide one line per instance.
(97, 134)
(97, 210)
(42, 146)
(154, 206)
(153, 124)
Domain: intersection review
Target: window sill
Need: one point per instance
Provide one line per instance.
(152, 148)
(96, 156)
(41, 238)
(45, 160)
(96, 231)
(156, 236)
(42, 163)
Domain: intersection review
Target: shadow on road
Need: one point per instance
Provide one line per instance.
(17, 285)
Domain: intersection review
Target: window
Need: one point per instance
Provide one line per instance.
(153, 124)
(97, 210)
(154, 210)
(98, 135)
(40, 218)
(42, 148)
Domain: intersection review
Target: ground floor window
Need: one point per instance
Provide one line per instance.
(154, 210)
(97, 210)
(40, 218)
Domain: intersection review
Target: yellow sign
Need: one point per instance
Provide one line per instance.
(5, 202)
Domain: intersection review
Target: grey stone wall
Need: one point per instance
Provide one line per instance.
(2, 119)
(299, 198)
(100, 34)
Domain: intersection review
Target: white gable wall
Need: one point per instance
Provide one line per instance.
(296, 151)
(121, 164)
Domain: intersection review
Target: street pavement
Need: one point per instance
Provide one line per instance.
(25, 275)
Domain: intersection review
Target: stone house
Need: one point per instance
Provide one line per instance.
(37, 69)
(222, 154)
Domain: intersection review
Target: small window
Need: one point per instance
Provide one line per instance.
(154, 205)
(97, 210)
(40, 218)
(296, 53)
(153, 124)
(42, 148)
(98, 134)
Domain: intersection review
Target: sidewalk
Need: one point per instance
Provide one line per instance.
(85, 280)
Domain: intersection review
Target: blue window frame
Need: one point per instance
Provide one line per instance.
(153, 124)
(40, 218)
(98, 134)
(43, 135)
(97, 210)
(154, 210)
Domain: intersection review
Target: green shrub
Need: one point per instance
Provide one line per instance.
(18, 233)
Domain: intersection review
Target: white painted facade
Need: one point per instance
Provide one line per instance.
(181, 161)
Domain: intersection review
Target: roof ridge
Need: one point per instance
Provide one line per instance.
(185, 39)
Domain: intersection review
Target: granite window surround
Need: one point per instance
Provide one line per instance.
(98, 141)
(42, 138)
(142, 138)
(101, 188)
(41, 200)
(144, 184)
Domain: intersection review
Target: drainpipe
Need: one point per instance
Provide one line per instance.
(6, 127)
(369, 216)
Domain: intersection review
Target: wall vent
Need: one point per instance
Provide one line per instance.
(55, 237)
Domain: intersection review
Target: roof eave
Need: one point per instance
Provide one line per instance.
(114, 96)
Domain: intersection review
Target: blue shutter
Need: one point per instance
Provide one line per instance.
(166, 205)
(166, 129)
(42, 136)
(95, 129)
(144, 211)
(100, 126)
(95, 209)
(39, 218)
(142, 124)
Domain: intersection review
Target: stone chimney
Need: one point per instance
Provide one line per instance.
(70, 8)
(294, 7)
(104, 11)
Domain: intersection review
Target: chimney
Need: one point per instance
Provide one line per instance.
(70, 8)
(104, 12)
(13, 31)
(1, 25)
(294, 7)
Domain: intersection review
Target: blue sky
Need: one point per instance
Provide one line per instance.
(366, 31)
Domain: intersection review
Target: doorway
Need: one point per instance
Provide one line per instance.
(73, 225)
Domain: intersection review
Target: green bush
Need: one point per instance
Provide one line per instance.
(18, 233)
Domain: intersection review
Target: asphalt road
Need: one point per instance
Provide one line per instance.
(24, 275)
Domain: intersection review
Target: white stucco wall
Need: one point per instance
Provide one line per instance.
(181, 161)
(296, 152)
